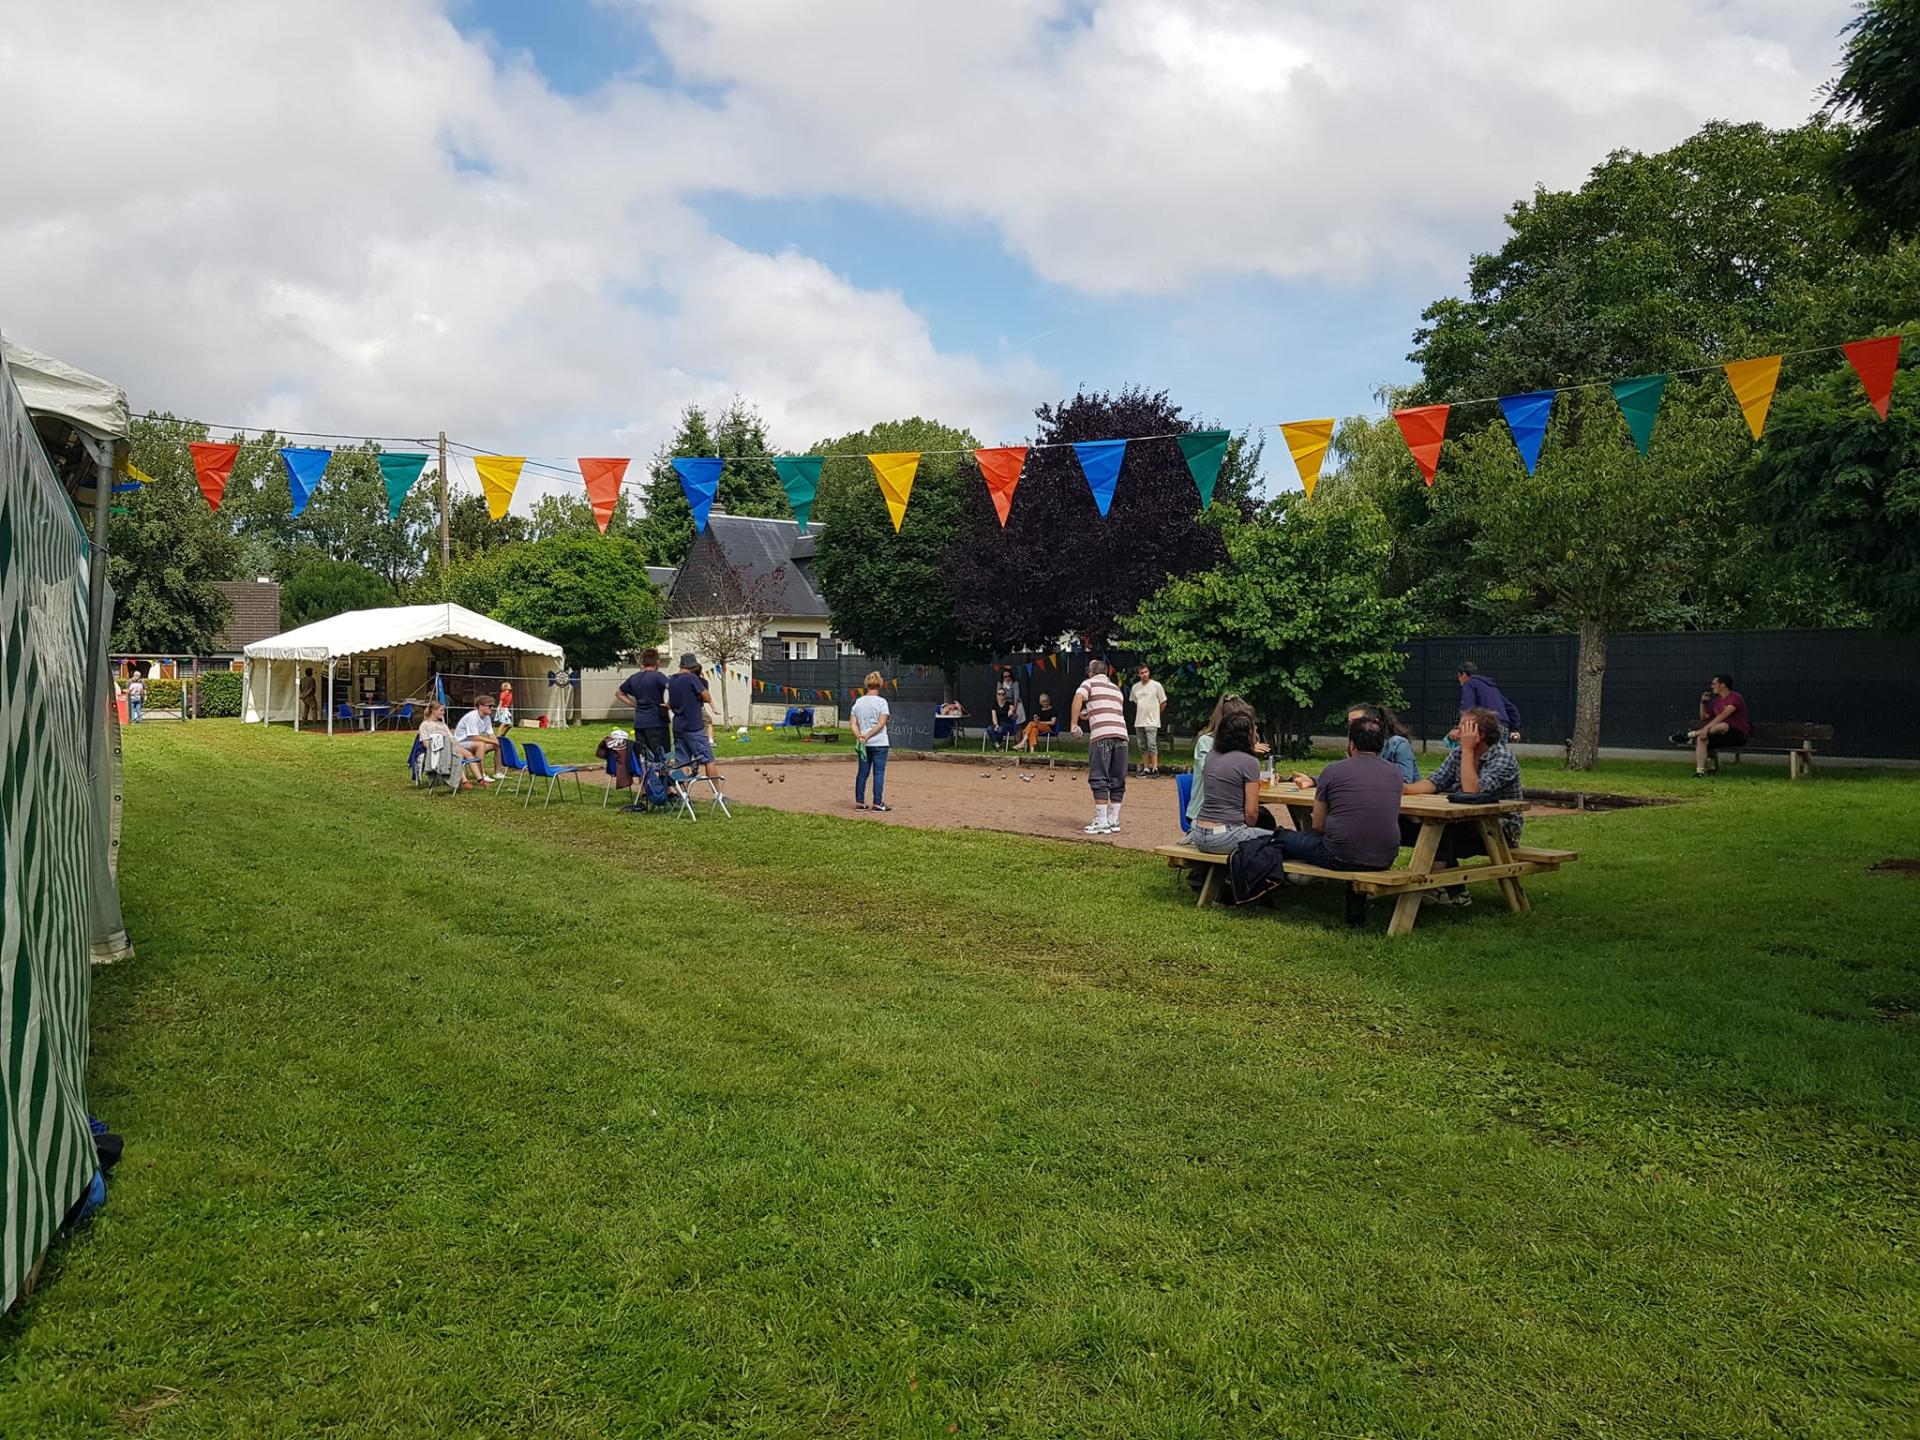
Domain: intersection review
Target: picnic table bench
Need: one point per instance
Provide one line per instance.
(1791, 738)
(1506, 864)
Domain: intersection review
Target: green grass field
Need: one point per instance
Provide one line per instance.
(446, 1118)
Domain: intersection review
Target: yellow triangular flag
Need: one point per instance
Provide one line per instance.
(134, 473)
(1307, 442)
(1753, 385)
(895, 473)
(498, 475)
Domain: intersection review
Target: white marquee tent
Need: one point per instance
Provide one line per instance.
(407, 638)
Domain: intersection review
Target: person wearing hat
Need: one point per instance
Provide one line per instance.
(687, 701)
(624, 768)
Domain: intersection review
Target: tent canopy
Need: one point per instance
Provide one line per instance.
(364, 632)
(89, 404)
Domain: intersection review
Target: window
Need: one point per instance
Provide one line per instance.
(798, 647)
(847, 647)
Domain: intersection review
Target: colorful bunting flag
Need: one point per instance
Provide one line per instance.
(1424, 428)
(800, 478)
(134, 473)
(498, 475)
(1753, 384)
(1203, 451)
(212, 464)
(699, 482)
(1639, 402)
(1307, 442)
(895, 472)
(1001, 465)
(603, 475)
(1100, 463)
(1527, 417)
(398, 470)
(1874, 361)
(305, 465)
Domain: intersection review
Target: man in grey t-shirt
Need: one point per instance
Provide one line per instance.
(1356, 808)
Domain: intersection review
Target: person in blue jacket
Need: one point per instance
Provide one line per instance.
(1478, 692)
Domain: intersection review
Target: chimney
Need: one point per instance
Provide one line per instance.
(716, 508)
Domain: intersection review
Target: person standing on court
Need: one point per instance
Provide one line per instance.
(646, 691)
(687, 699)
(1100, 712)
(870, 716)
(1148, 696)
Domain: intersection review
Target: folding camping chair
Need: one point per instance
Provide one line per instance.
(541, 768)
(681, 776)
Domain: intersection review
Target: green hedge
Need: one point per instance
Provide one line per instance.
(219, 694)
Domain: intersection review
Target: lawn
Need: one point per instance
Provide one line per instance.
(448, 1118)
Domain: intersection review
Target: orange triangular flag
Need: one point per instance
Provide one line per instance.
(603, 479)
(1002, 466)
(498, 475)
(1753, 384)
(895, 473)
(1424, 428)
(1874, 361)
(1307, 442)
(212, 464)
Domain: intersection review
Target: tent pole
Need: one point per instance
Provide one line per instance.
(296, 695)
(97, 595)
(266, 705)
(329, 696)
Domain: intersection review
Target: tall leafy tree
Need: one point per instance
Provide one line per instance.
(1057, 568)
(346, 517)
(749, 485)
(588, 594)
(1293, 617)
(165, 547)
(571, 513)
(1846, 485)
(322, 588)
(889, 593)
(472, 531)
(1878, 89)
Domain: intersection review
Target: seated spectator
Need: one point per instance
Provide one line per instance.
(474, 735)
(626, 763)
(1230, 804)
(1723, 723)
(1484, 766)
(443, 750)
(1356, 806)
(1004, 720)
(1398, 750)
(1044, 721)
(1203, 746)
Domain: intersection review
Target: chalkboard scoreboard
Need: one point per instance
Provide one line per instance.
(910, 724)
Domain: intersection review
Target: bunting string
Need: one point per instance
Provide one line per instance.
(1753, 382)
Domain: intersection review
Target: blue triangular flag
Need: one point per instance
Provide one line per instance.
(700, 480)
(1527, 418)
(1100, 463)
(305, 465)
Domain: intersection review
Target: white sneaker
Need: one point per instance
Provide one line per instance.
(486, 779)
(1098, 827)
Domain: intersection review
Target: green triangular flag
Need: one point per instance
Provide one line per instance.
(400, 471)
(1204, 449)
(1639, 401)
(800, 475)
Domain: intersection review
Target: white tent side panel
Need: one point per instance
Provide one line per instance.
(277, 708)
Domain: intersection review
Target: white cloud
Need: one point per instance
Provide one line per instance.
(346, 214)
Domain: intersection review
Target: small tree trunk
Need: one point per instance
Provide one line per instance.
(1590, 680)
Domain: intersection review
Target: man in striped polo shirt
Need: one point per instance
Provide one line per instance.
(1101, 711)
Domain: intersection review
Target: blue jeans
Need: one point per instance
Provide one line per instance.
(134, 707)
(874, 762)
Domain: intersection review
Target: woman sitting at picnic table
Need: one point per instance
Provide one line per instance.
(1399, 748)
(1203, 747)
(1230, 803)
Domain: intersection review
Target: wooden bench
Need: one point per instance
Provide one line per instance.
(1792, 739)
(1405, 885)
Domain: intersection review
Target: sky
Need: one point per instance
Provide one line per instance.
(547, 226)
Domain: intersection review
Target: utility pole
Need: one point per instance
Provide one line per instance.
(445, 544)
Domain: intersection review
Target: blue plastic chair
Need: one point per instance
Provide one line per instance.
(402, 716)
(541, 768)
(1183, 785)
(343, 711)
(511, 762)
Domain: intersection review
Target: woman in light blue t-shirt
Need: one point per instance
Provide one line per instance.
(870, 715)
(1398, 751)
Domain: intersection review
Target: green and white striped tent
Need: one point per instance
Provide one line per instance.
(58, 795)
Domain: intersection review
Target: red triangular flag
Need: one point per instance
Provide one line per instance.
(1002, 468)
(1874, 361)
(212, 464)
(1424, 427)
(603, 479)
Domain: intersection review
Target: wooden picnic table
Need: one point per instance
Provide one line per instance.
(1506, 865)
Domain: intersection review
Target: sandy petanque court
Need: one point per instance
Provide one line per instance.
(988, 794)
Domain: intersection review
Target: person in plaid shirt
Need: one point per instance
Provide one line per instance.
(1483, 765)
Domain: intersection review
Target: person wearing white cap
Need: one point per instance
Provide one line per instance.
(615, 748)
